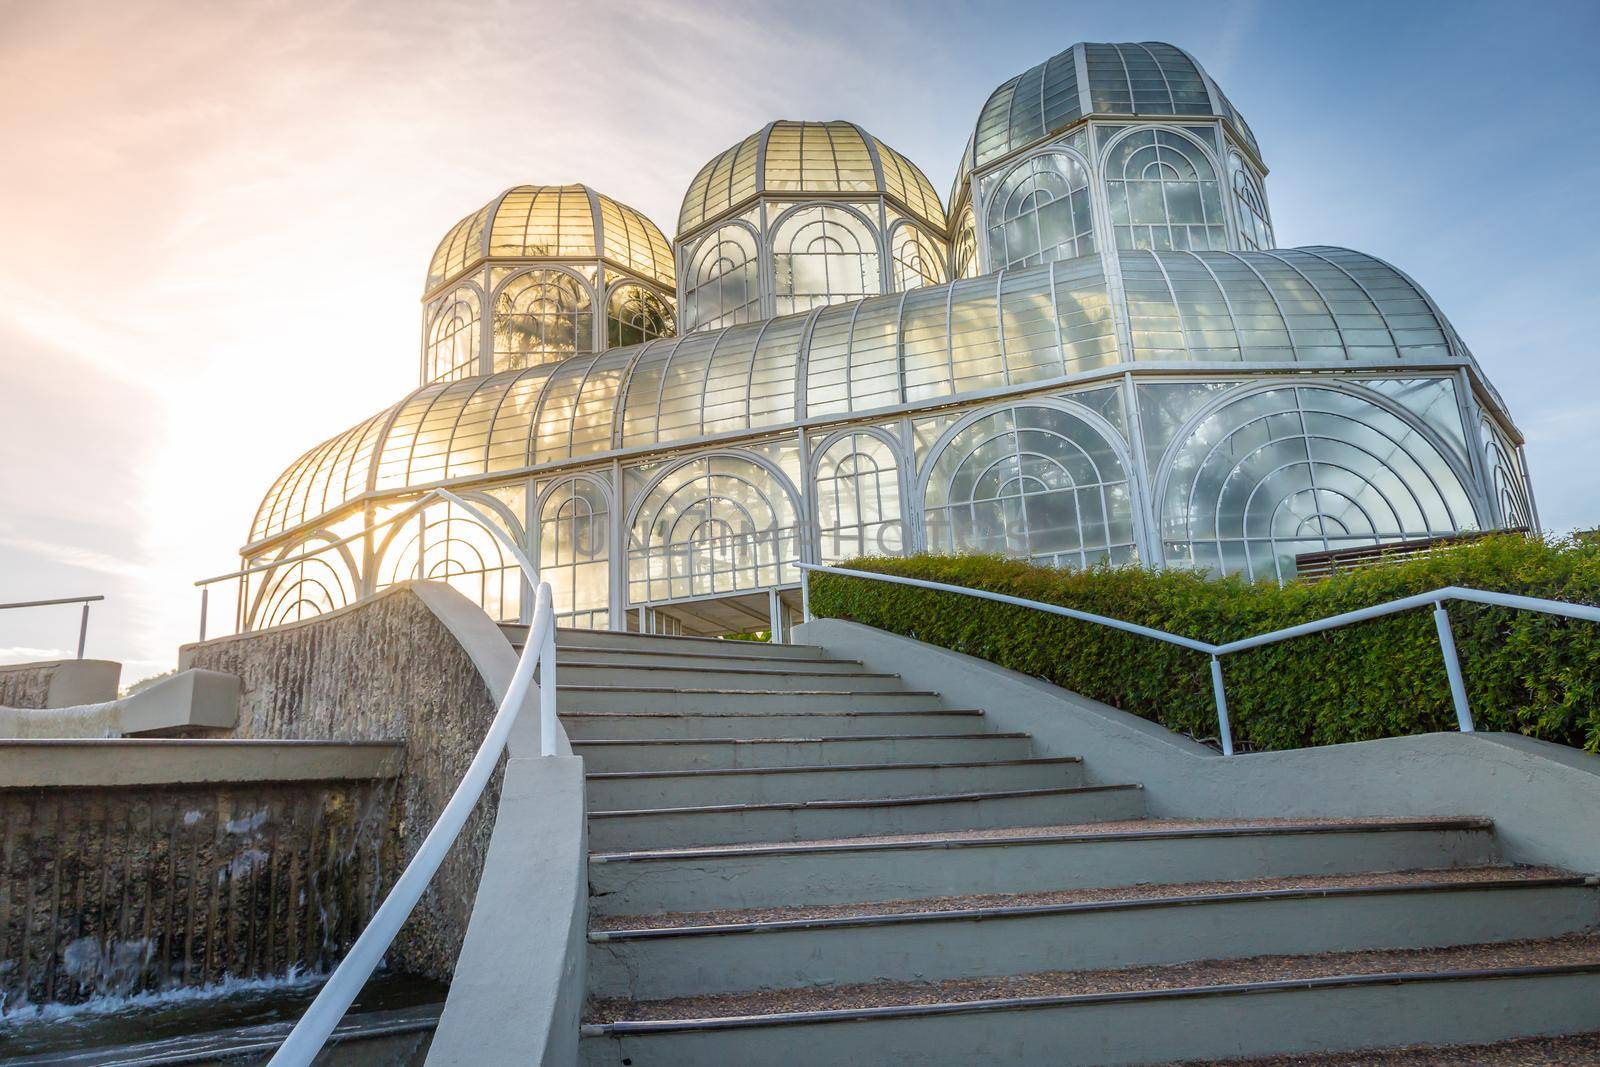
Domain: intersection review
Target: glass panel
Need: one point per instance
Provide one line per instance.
(574, 535)
(722, 287)
(541, 316)
(443, 543)
(1163, 193)
(1040, 212)
(823, 255)
(858, 499)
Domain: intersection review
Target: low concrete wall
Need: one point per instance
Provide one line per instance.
(59, 683)
(418, 664)
(1543, 798)
(524, 953)
(127, 866)
(190, 703)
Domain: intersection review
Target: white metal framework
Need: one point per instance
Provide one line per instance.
(1095, 355)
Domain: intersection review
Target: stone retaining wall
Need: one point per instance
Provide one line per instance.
(383, 669)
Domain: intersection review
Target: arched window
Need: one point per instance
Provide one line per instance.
(823, 255)
(858, 499)
(722, 286)
(964, 252)
(1035, 482)
(1505, 476)
(719, 524)
(918, 259)
(1163, 193)
(453, 338)
(574, 539)
(445, 544)
(305, 588)
(1040, 212)
(1254, 229)
(541, 316)
(1303, 469)
(635, 315)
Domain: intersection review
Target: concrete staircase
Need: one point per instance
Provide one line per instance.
(796, 860)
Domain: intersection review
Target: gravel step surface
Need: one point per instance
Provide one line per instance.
(1584, 950)
(1578, 1049)
(1379, 879)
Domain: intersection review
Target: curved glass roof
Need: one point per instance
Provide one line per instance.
(1100, 79)
(808, 157)
(556, 222)
(1010, 329)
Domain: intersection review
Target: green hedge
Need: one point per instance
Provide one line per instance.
(1526, 672)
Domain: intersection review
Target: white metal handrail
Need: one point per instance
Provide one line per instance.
(83, 621)
(1437, 598)
(305, 1041)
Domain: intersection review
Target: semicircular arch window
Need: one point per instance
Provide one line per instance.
(635, 315)
(721, 285)
(719, 524)
(1040, 212)
(918, 258)
(304, 588)
(453, 338)
(1251, 203)
(1303, 469)
(964, 250)
(823, 255)
(1035, 482)
(541, 316)
(443, 543)
(1163, 193)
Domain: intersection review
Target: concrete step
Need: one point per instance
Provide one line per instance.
(600, 725)
(618, 790)
(712, 659)
(750, 697)
(746, 676)
(1022, 861)
(662, 754)
(808, 820)
(1223, 1010)
(1144, 926)
(614, 639)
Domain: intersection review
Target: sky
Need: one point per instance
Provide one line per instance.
(215, 219)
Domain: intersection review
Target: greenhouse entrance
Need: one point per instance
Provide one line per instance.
(773, 611)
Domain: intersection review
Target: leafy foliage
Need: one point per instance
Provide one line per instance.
(1526, 672)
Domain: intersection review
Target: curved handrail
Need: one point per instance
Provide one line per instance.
(305, 1041)
(1437, 598)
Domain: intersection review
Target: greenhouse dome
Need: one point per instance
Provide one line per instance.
(561, 270)
(1099, 356)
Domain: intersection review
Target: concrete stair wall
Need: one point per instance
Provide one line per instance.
(795, 858)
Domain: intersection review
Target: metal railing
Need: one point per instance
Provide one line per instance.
(83, 621)
(1437, 598)
(305, 1041)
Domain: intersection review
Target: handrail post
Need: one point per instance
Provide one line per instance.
(1452, 667)
(547, 692)
(83, 629)
(805, 596)
(205, 602)
(1224, 731)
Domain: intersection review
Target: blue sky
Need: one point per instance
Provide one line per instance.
(217, 217)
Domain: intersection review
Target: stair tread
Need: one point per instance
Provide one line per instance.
(1521, 1052)
(1550, 955)
(870, 802)
(1132, 829)
(783, 670)
(892, 713)
(604, 650)
(795, 740)
(749, 692)
(710, 772)
(1018, 903)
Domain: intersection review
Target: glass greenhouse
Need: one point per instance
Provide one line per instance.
(1094, 353)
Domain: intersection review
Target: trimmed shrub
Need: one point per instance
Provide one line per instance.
(1526, 672)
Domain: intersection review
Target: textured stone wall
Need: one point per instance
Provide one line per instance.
(110, 891)
(384, 669)
(26, 685)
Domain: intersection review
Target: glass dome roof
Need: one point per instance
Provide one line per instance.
(808, 157)
(556, 222)
(1015, 329)
(1097, 79)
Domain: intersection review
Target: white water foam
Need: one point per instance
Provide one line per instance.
(109, 1004)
